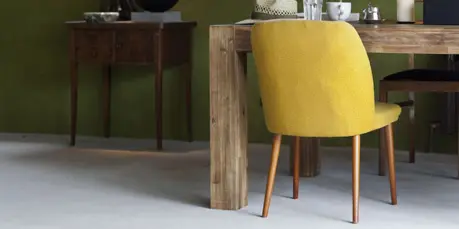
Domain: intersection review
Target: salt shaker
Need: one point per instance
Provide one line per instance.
(405, 11)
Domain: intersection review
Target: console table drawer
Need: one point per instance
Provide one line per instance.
(94, 46)
(134, 46)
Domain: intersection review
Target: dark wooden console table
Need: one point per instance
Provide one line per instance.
(162, 45)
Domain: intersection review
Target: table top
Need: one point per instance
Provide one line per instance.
(388, 37)
(389, 25)
(130, 24)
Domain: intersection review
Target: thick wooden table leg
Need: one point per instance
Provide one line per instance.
(228, 122)
(107, 72)
(310, 160)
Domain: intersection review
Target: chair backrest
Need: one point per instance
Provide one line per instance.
(315, 78)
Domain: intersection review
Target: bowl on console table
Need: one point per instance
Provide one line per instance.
(100, 17)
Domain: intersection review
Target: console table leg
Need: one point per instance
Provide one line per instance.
(73, 87)
(73, 100)
(159, 91)
(310, 161)
(159, 109)
(187, 73)
(107, 71)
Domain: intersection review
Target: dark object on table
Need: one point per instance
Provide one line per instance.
(441, 12)
(157, 5)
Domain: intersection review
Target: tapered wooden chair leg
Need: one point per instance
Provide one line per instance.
(391, 162)
(296, 167)
(355, 178)
(272, 173)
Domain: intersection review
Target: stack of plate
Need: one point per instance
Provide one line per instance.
(353, 17)
(100, 17)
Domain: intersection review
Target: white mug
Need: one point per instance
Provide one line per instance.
(339, 11)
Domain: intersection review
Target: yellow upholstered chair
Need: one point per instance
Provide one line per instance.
(315, 80)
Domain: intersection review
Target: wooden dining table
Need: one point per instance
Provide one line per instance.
(229, 46)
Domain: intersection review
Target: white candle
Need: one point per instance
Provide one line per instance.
(405, 10)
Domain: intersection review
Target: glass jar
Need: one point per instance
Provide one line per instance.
(312, 9)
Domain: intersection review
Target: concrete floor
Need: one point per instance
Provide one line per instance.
(121, 183)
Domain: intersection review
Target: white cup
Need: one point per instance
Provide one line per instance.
(339, 11)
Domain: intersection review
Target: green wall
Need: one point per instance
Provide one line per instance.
(34, 82)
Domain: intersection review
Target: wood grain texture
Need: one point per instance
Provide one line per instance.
(411, 39)
(228, 122)
(390, 38)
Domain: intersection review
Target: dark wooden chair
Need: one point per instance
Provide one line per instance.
(416, 80)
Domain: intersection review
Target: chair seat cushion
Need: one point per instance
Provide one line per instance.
(424, 75)
(385, 114)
